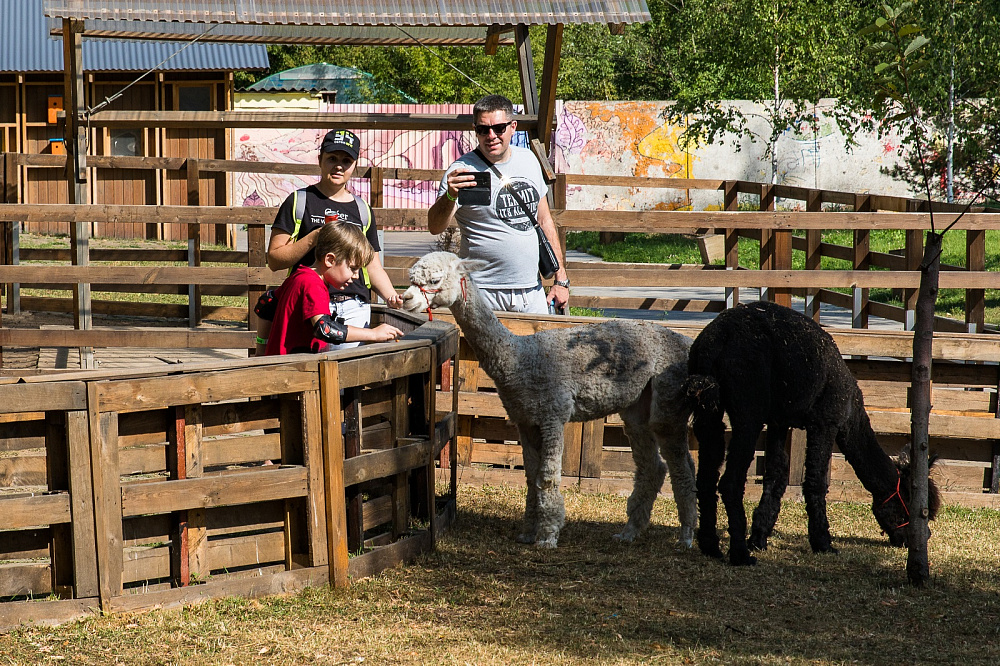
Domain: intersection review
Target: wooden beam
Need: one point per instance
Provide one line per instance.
(526, 68)
(294, 119)
(550, 78)
(76, 171)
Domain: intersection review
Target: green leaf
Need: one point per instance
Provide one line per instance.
(898, 117)
(918, 43)
(882, 66)
(909, 29)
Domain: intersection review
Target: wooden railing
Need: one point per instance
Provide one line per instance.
(129, 490)
(774, 230)
(964, 425)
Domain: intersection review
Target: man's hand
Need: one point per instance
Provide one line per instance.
(559, 296)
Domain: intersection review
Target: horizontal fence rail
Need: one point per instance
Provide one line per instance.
(964, 427)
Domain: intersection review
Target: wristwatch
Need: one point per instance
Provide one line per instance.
(561, 283)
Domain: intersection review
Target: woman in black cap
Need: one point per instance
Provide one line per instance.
(305, 211)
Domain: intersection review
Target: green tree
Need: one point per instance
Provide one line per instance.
(785, 54)
(956, 91)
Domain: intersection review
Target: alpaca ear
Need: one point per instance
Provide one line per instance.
(468, 266)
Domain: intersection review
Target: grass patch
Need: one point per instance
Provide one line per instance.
(483, 599)
(673, 248)
(38, 241)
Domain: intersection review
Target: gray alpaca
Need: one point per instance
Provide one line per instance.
(545, 380)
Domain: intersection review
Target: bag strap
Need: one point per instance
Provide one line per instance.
(507, 187)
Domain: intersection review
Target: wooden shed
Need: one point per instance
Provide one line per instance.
(118, 74)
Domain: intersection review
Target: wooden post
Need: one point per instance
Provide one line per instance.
(814, 257)
(861, 262)
(526, 70)
(975, 299)
(81, 494)
(355, 528)
(731, 203)
(76, 173)
(400, 482)
(107, 498)
(558, 190)
(767, 241)
(550, 75)
(192, 171)
(256, 257)
(913, 253)
(376, 179)
(333, 459)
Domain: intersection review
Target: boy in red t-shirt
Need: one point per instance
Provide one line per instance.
(302, 320)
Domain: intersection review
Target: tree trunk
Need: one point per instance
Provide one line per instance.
(917, 568)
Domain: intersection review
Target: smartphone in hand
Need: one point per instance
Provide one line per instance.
(478, 194)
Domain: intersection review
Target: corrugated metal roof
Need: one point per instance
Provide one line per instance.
(26, 46)
(335, 21)
(355, 12)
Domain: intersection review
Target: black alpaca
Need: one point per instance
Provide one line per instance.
(763, 363)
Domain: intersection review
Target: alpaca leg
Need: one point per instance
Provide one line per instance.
(551, 510)
(819, 448)
(710, 432)
(529, 451)
(673, 444)
(649, 474)
(732, 487)
(775, 482)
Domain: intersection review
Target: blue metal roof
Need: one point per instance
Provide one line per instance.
(25, 46)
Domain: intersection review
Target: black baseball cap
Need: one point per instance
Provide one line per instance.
(344, 140)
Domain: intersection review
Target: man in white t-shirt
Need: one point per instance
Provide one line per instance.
(500, 233)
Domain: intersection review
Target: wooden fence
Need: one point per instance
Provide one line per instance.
(964, 424)
(123, 491)
(778, 232)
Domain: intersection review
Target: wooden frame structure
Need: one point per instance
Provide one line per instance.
(126, 491)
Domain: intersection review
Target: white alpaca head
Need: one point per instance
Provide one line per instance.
(436, 281)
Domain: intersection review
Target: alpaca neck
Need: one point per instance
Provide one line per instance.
(492, 341)
(873, 467)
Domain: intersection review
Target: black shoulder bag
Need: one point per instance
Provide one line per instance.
(548, 264)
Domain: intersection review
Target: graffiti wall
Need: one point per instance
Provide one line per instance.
(609, 138)
(631, 138)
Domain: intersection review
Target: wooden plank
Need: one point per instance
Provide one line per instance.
(139, 275)
(22, 512)
(384, 367)
(27, 469)
(246, 550)
(126, 214)
(258, 485)
(110, 337)
(160, 392)
(478, 404)
(312, 437)
(720, 221)
(404, 550)
(593, 444)
(284, 582)
(292, 119)
(380, 464)
(19, 614)
(333, 473)
(107, 497)
(572, 449)
(64, 396)
(400, 481)
(954, 427)
(81, 487)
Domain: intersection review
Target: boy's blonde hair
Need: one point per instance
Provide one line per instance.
(346, 241)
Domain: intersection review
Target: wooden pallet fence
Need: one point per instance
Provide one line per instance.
(123, 491)
(965, 428)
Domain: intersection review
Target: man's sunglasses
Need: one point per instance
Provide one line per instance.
(498, 129)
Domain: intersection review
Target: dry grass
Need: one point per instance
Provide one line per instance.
(482, 599)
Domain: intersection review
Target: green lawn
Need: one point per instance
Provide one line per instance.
(673, 249)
